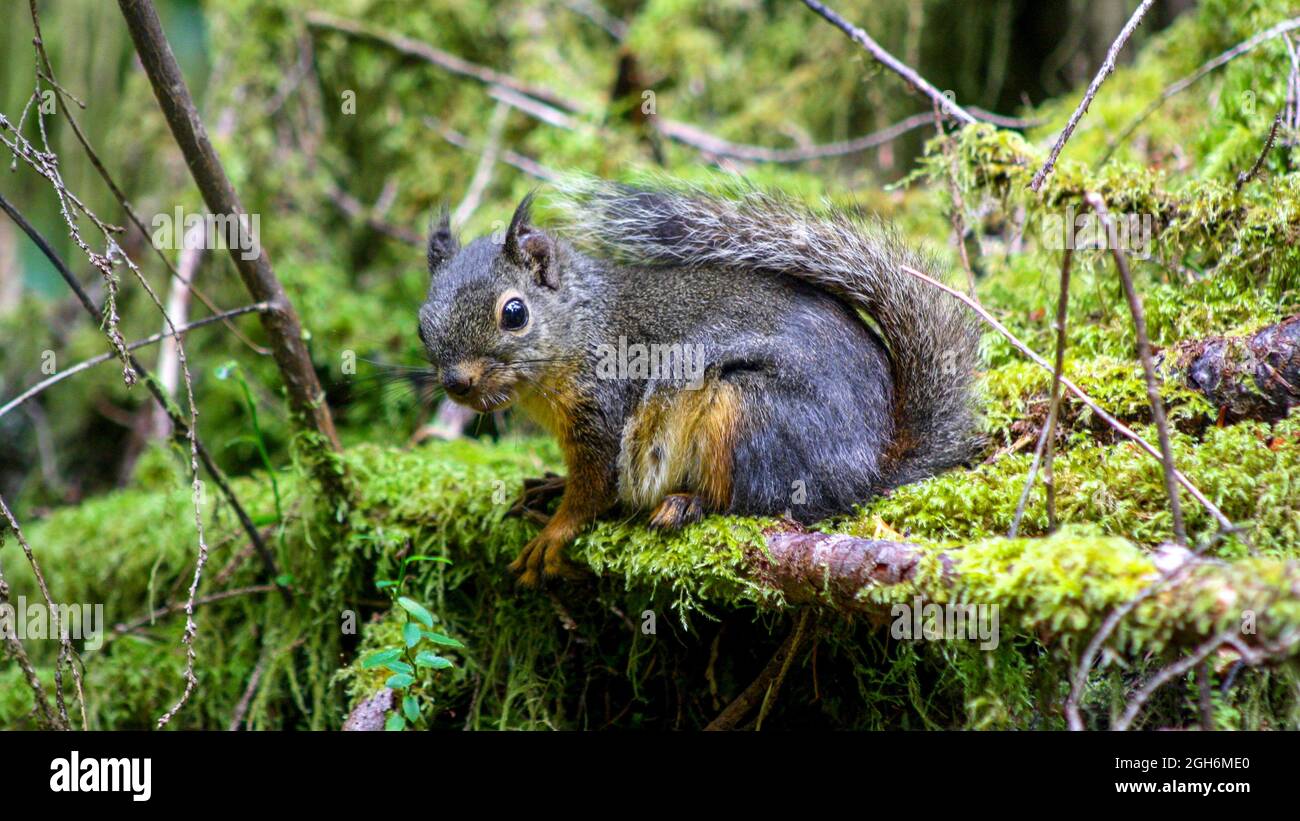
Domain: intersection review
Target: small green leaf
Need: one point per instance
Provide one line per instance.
(284, 579)
(417, 610)
(442, 559)
(385, 584)
(399, 681)
(381, 658)
(412, 708)
(395, 722)
(400, 667)
(438, 638)
(411, 633)
(426, 659)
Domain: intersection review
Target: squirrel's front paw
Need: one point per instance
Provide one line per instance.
(542, 559)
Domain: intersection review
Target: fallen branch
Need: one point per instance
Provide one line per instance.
(1247, 377)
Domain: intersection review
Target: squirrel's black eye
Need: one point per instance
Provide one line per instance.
(514, 315)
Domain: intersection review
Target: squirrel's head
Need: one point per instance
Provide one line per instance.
(494, 312)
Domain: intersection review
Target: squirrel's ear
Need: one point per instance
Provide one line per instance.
(531, 248)
(442, 245)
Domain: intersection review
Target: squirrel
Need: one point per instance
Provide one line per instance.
(793, 404)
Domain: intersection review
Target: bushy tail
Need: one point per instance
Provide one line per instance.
(931, 339)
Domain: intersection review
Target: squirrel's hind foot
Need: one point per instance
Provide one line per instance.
(676, 511)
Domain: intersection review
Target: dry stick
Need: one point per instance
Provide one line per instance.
(65, 641)
(1107, 66)
(486, 165)
(1045, 441)
(17, 650)
(525, 164)
(178, 421)
(1210, 65)
(958, 203)
(1167, 674)
(130, 212)
(743, 703)
(769, 698)
(892, 63)
(1102, 413)
(1108, 625)
(1247, 176)
(1148, 367)
(178, 607)
(709, 144)
(280, 323)
(44, 384)
(356, 209)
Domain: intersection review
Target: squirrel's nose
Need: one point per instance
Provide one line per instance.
(458, 381)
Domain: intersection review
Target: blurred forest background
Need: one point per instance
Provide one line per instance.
(342, 128)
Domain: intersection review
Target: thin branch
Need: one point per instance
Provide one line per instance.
(1103, 634)
(1186, 82)
(525, 164)
(716, 146)
(44, 384)
(1107, 66)
(130, 212)
(1167, 674)
(445, 60)
(1046, 439)
(66, 652)
(19, 653)
(892, 63)
(486, 165)
(1247, 176)
(178, 422)
(1148, 367)
(1079, 393)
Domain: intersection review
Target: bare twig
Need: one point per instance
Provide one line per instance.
(739, 707)
(715, 146)
(1102, 413)
(892, 63)
(554, 109)
(525, 164)
(1046, 442)
(66, 652)
(44, 384)
(1247, 176)
(1148, 366)
(179, 422)
(487, 163)
(1107, 66)
(1108, 625)
(95, 161)
(1205, 68)
(958, 202)
(49, 718)
(1167, 674)
(615, 27)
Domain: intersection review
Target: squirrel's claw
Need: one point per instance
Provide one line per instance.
(537, 494)
(541, 560)
(676, 511)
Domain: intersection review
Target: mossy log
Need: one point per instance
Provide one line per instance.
(1247, 377)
